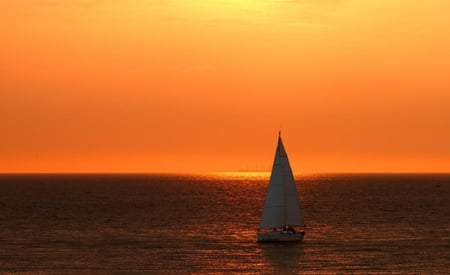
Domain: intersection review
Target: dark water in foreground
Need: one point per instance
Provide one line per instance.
(363, 224)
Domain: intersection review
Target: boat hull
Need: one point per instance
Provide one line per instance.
(280, 237)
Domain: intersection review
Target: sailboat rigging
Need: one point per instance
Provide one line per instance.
(282, 211)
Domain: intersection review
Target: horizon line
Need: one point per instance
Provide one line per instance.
(224, 173)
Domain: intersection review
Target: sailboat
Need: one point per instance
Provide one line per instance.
(282, 214)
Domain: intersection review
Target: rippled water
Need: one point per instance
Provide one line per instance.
(369, 224)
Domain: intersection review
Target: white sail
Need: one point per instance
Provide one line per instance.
(282, 206)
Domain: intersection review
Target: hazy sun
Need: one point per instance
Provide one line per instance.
(232, 9)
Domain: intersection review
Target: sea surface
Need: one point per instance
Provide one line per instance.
(191, 224)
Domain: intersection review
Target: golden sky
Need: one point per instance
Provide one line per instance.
(192, 86)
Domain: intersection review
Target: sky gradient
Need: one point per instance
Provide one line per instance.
(196, 86)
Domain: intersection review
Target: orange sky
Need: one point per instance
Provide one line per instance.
(191, 86)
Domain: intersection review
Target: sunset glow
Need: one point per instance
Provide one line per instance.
(201, 86)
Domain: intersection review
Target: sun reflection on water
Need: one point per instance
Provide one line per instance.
(242, 175)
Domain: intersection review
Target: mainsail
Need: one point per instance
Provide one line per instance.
(282, 206)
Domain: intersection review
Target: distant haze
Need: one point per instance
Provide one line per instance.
(194, 86)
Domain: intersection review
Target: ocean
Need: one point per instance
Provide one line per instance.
(194, 224)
